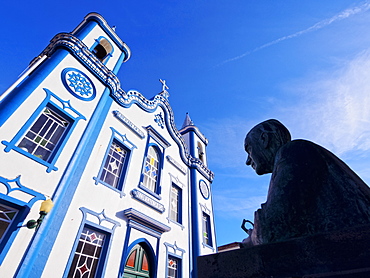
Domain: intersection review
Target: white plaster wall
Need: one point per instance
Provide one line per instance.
(99, 197)
(33, 174)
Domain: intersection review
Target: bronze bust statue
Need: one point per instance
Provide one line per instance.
(311, 190)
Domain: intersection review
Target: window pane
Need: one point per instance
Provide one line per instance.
(173, 267)
(206, 229)
(86, 258)
(131, 260)
(44, 134)
(144, 263)
(113, 164)
(174, 204)
(7, 215)
(151, 169)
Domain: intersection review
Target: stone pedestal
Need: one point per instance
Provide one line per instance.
(344, 254)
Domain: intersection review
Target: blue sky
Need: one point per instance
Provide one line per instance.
(231, 65)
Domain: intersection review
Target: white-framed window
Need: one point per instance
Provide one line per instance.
(206, 229)
(45, 134)
(200, 152)
(151, 169)
(173, 267)
(175, 204)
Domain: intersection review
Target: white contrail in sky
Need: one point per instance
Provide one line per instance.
(321, 24)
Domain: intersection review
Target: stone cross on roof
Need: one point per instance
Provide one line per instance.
(164, 88)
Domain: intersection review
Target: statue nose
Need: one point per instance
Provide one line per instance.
(249, 160)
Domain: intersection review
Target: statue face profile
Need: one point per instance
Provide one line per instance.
(262, 144)
(259, 156)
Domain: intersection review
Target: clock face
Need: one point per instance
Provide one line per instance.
(204, 189)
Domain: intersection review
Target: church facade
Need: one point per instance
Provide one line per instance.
(131, 193)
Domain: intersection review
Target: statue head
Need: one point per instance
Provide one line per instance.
(262, 143)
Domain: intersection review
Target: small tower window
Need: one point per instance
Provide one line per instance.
(200, 152)
(102, 49)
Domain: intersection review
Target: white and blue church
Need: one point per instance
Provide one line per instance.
(96, 181)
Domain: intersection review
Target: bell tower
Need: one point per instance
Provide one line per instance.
(67, 90)
(203, 239)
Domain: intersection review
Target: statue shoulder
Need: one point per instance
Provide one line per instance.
(300, 150)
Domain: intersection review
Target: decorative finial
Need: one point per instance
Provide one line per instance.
(164, 88)
(114, 28)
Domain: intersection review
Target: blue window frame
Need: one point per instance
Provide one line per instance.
(44, 135)
(89, 254)
(116, 160)
(206, 229)
(173, 267)
(153, 163)
(13, 211)
(174, 256)
(175, 204)
(11, 218)
(113, 164)
(92, 245)
(151, 173)
(151, 169)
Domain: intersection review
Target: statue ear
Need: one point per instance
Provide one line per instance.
(265, 139)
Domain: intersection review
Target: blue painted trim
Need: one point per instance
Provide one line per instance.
(109, 55)
(157, 258)
(129, 147)
(23, 208)
(60, 109)
(33, 262)
(19, 187)
(119, 63)
(16, 97)
(208, 188)
(152, 257)
(107, 242)
(124, 251)
(157, 137)
(68, 87)
(194, 221)
(9, 237)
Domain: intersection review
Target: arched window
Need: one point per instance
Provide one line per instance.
(102, 49)
(151, 169)
(137, 264)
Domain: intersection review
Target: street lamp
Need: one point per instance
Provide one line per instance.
(44, 210)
